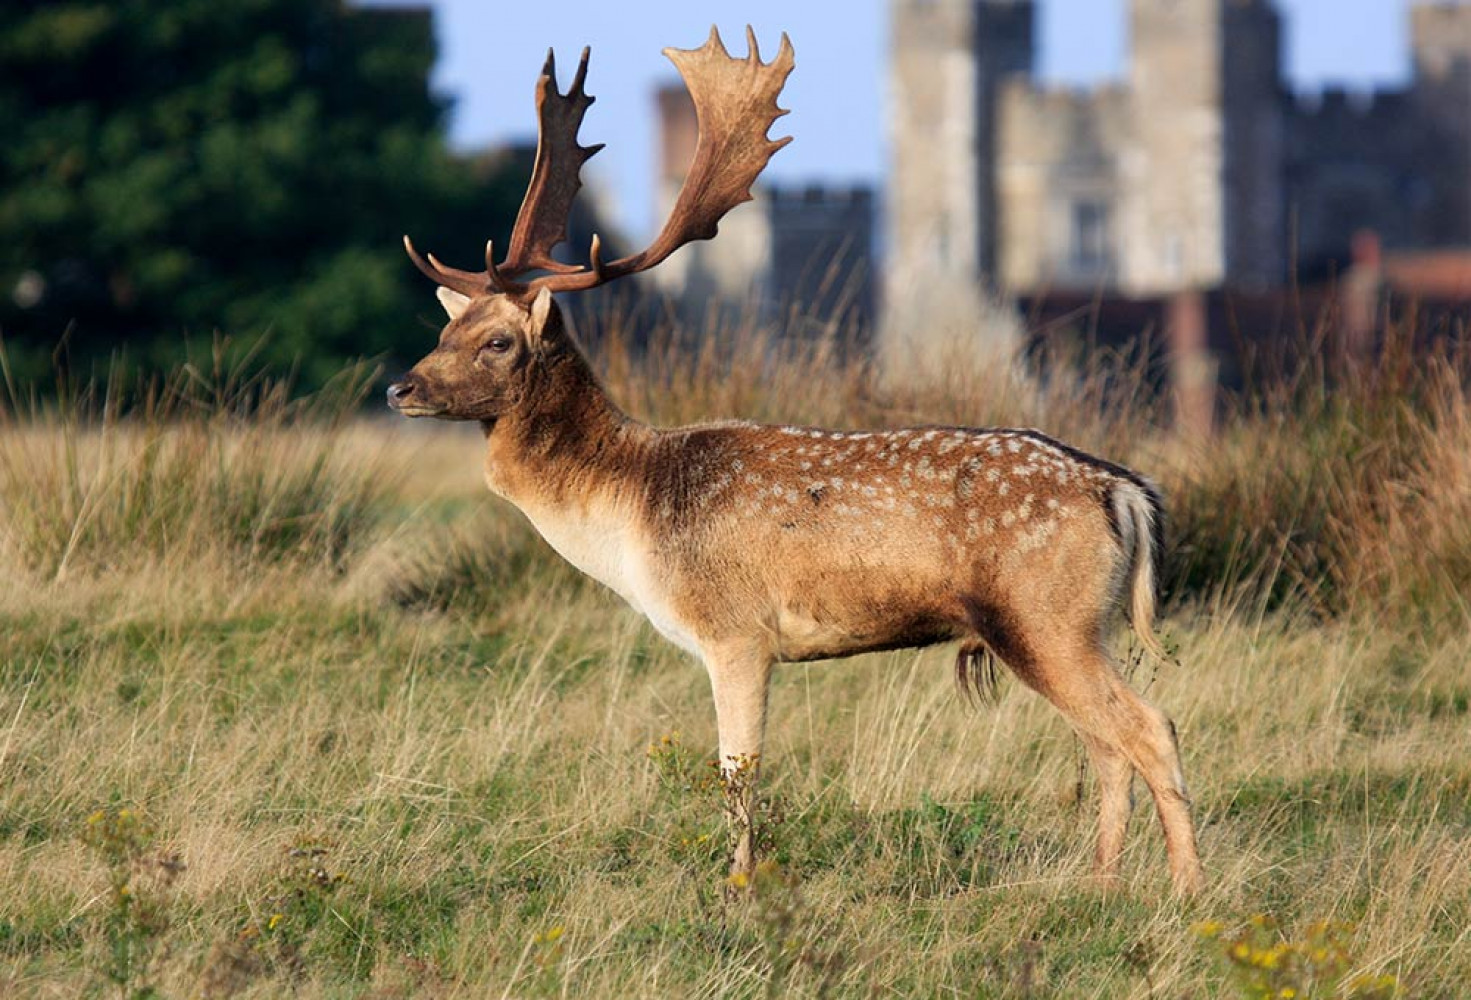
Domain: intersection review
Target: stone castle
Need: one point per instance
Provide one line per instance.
(1200, 172)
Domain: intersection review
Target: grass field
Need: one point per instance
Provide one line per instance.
(290, 706)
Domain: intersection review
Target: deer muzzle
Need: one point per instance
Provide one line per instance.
(407, 396)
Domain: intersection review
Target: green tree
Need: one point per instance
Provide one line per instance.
(173, 168)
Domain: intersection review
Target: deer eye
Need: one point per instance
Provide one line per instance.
(498, 344)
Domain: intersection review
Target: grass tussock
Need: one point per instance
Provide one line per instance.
(224, 469)
(289, 707)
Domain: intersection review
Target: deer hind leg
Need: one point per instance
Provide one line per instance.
(739, 681)
(1115, 805)
(1083, 683)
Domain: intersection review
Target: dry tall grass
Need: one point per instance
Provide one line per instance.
(340, 726)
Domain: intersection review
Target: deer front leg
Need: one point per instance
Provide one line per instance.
(739, 679)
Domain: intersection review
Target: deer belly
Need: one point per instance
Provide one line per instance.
(805, 631)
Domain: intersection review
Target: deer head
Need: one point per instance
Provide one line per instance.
(505, 328)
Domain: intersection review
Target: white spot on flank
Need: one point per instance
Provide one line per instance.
(1036, 536)
(1013, 445)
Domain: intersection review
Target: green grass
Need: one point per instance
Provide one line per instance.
(403, 751)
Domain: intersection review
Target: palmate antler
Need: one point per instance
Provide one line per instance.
(735, 105)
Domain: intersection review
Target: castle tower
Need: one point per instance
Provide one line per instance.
(1254, 101)
(1441, 38)
(1174, 215)
(948, 62)
(1206, 184)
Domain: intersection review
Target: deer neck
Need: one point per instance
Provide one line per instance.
(566, 446)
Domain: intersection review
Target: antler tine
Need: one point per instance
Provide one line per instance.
(493, 273)
(580, 76)
(595, 257)
(464, 282)
(735, 105)
(714, 42)
(478, 280)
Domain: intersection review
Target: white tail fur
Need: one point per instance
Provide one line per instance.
(1136, 508)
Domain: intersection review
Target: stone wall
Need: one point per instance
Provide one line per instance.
(1060, 189)
(822, 254)
(1339, 183)
(1441, 39)
(1256, 239)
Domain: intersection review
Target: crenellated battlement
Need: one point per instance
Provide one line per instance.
(1359, 105)
(820, 198)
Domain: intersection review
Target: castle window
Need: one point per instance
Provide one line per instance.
(1088, 249)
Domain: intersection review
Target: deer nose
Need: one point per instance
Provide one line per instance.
(398, 392)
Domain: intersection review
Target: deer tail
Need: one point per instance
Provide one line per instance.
(1139, 518)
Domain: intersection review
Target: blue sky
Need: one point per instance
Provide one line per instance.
(492, 52)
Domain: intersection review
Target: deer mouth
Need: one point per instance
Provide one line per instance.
(417, 410)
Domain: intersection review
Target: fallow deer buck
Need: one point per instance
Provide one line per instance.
(749, 545)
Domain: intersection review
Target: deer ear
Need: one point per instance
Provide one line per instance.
(541, 310)
(454, 303)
